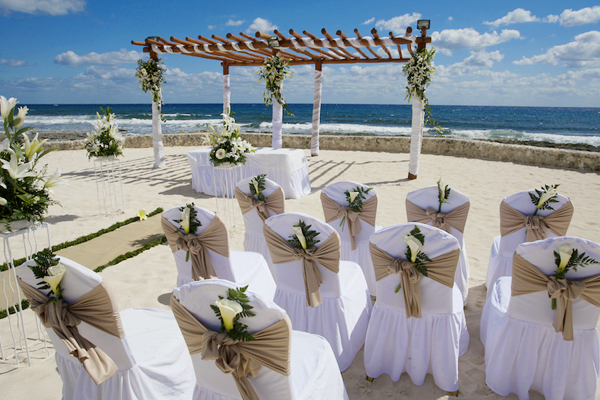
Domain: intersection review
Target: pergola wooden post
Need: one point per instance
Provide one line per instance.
(307, 49)
(157, 142)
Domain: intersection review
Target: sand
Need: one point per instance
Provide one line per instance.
(147, 280)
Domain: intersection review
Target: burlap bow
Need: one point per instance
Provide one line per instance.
(441, 269)
(213, 238)
(328, 255)
(536, 226)
(97, 309)
(271, 348)
(275, 203)
(456, 218)
(334, 211)
(528, 279)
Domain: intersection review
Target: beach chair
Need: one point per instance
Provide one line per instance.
(256, 212)
(306, 370)
(419, 328)
(355, 247)
(151, 357)
(422, 205)
(504, 246)
(523, 349)
(340, 306)
(242, 267)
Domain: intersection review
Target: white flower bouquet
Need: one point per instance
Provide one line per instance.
(227, 145)
(106, 140)
(150, 77)
(274, 70)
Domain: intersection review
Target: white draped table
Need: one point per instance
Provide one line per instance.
(287, 167)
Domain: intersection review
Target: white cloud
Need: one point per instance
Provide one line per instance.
(587, 15)
(71, 59)
(450, 18)
(212, 27)
(514, 17)
(584, 51)
(469, 38)
(14, 63)
(52, 7)
(551, 19)
(398, 24)
(231, 22)
(476, 61)
(369, 21)
(262, 25)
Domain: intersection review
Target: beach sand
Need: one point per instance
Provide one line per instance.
(147, 279)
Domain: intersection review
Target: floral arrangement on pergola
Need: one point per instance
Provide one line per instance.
(307, 49)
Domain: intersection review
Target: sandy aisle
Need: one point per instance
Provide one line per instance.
(145, 280)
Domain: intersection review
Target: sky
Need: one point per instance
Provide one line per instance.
(499, 53)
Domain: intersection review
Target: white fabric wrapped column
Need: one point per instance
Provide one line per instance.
(277, 141)
(226, 94)
(416, 136)
(159, 151)
(316, 117)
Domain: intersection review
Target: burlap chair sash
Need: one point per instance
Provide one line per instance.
(528, 279)
(441, 269)
(97, 309)
(213, 238)
(536, 226)
(334, 211)
(271, 348)
(456, 218)
(328, 255)
(275, 202)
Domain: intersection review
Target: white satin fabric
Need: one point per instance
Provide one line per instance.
(431, 344)
(277, 139)
(242, 267)
(254, 237)
(343, 316)
(159, 151)
(428, 197)
(287, 167)
(313, 366)
(503, 247)
(522, 350)
(361, 255)
(416, 136)
(152, 358)
(316, 116)
(226, 94)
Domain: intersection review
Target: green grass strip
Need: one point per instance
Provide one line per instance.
(11, 310)
(86, 238)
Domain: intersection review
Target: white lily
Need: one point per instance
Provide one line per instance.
(32, 147)
(6, 106)
(20, 118)
(353, 196)
(414, 245)
(5, 145)
(565, 251)
(255, 183)
(229, 309)
(185, 219)
(55, 180)
(298, 232)
(56, 274)
(442, 190)
(547, 194)
(142, 214)
(15, 170)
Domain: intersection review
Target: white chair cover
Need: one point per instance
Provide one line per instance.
(522, 350)
(152, 358)
(361, 255)
(343, 316)
(254, 238)
(314, 369)
(431, 344)
(428, 197)
(242, 267)
(503, 248)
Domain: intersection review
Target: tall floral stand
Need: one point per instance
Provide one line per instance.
(12, 293)
(225, 177)
(107, 171)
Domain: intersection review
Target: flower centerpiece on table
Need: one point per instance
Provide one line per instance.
(24, 192)
(274, 70)
(567, 258)
(50, 271)
(150, 77)
(545, 197)
(355, 199)
(229, 311)
(106, 140)
(415, 241)
(227, 145)
(189, 222)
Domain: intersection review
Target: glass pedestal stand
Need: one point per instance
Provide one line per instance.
(12, 293)
(107, 171)
(224, 179)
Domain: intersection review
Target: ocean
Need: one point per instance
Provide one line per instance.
(551, 124)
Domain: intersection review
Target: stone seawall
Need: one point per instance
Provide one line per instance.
(573, 159)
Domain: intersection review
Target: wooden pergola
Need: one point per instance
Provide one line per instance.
(306, 49)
